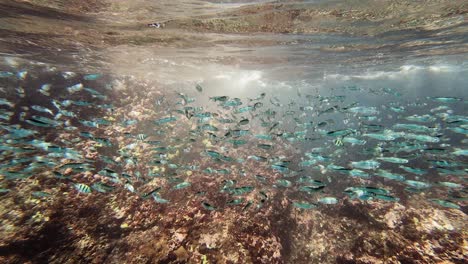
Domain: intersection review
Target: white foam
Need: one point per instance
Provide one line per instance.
(404, 71)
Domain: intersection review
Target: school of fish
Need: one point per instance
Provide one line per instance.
(316, 148)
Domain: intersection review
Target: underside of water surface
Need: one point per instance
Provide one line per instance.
(233, 131)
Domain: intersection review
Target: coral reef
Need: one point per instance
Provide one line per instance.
(122, 228)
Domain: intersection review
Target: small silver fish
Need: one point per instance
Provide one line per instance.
(42, 109)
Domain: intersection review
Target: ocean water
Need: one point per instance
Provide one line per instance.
(199, 141)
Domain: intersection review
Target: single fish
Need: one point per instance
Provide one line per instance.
(182, 185)
(417, 184)
(353, 141)
(460, 152)
(311, 188)
(68, 74)
(363, 110)
(233, 102)
(240, 190)
(95, 93)
(89, 123)
(82, 103)
(129, 187)
(375, 190)
(415, 128)
(165, 120)
(40, 194)
(20, 92)
(257, 105)
(243, 122)
(366, 164)
(445, 163)
(75, 88)
(199, 88)
(388, 198)
(209, 127)
(387, 135)
(389, 175)
(397, 109)
(42, 109)
(260, 97)
(38, 123)
(213, 154)
(129, 122)
(265, 146)
(276, 102)
(6, 115)
(358, 173)
(328, 200)
(238, 142)
(445, 99)
(219, 98)
(339, 133)
(413, 170)
(422, 118)
(17, 133)
(393, 160)
(440, 108)
(82, 188)
(258, 158)
(423, 138)
(280, 168)
(235, 201)
(223, 171)
(459, 130)
(4, 101)
(445, 203)
(208, 206)
(304, 205)
(450, 184)
(158, 198)
(92, 77)
(226, 121)
(264, 136)
(237, 133)
(244, 109)
(6, 74)
(45, 89)
(283, 183)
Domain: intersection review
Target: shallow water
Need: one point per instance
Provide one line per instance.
(116, 135)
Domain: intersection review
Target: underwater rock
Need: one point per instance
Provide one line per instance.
(181, 253)
(398, 234)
